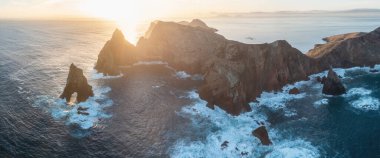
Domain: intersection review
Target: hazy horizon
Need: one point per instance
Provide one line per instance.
(150, 9)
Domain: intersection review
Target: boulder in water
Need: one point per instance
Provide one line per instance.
(294, 91)
(262, 134)
(332, 85)
(77, 83)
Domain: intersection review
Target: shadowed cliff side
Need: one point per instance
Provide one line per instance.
(116, 52)
(236, 73)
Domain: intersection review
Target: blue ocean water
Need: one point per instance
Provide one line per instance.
(154, 111)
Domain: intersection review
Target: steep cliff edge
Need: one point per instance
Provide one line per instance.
(349, 50)
(77, 82)
(116, 52)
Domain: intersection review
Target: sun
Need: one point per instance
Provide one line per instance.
(127, 14)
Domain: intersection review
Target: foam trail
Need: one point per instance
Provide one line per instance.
(96, 75)
(94, 106)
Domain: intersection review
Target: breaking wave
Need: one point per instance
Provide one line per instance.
(236, 131)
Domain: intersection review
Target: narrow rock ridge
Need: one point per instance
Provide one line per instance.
(236, 73)
(77, 83)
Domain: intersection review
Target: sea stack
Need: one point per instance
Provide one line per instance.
(262, 134)
(115, 53)
(77, 82)
(332, 84)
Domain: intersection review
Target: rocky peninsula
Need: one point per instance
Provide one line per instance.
(236, 73)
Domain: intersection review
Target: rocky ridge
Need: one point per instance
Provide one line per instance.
(236, 73)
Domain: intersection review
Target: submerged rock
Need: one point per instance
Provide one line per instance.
(115, 53)
(224, 145)
(262, 134)
(83, 113)
(332, 85)
(77, 83)
(294, 91)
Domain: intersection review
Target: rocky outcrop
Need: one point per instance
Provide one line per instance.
(332, 84)
(77, 83)
(262, 134)
(349, 50)
(115, 53)
(236, 73)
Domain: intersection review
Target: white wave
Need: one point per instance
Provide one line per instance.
(60, 110)
(321, 102)
(294, 149)
(96, 75)
(366, 103)
(182, 75)
(150, 63)
(357, 92)
(237, 130)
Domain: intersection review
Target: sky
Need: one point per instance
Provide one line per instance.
(144, 9)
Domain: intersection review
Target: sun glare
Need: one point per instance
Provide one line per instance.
(128, 15)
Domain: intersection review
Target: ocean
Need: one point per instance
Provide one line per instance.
(153, 110)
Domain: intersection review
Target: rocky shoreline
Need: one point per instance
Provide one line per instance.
(236, 73)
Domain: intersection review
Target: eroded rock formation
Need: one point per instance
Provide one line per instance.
(236, 73)
(76, 83)
(332, 84)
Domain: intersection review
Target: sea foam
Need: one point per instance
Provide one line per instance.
(237, 131)
(60, 110)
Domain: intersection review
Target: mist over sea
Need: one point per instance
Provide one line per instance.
(153, 110)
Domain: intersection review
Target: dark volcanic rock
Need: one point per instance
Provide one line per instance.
(294, 91)
(77, 82)
(82, 108)
(115, 53)
(332, 84)
(224, 145)
(82, 112)
(262, 134)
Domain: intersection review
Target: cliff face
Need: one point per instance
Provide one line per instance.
(241, 72)
(116, 52)
(183, 47)
(236, 73)
(77, 82)
(349, 50)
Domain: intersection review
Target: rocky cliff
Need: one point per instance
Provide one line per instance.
(349, 50)
(236, 73)
(76, 83)
(116, 52)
